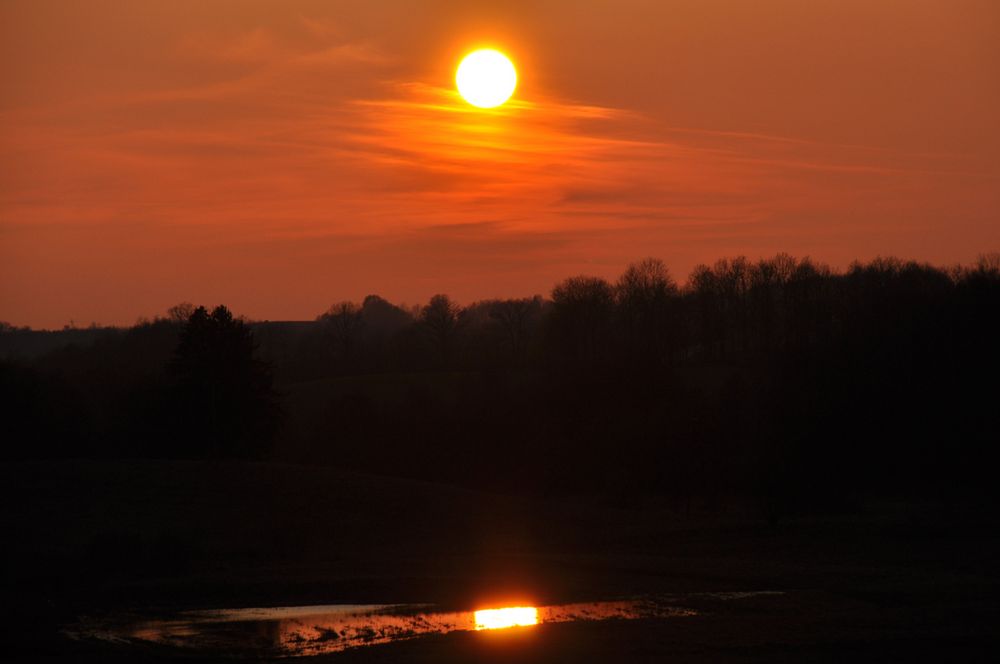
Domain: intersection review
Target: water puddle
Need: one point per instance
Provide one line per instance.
(295, 631)
(314, 630)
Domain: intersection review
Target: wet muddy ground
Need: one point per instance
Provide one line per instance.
(301, 631)
(154, 541)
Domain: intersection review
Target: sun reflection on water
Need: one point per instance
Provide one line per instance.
(296, 631)
(513, 616)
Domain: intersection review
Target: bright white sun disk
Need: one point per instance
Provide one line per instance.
(486, 78)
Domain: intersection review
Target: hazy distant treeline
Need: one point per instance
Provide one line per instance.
(780, 380)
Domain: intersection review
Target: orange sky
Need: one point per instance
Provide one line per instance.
(280, 156)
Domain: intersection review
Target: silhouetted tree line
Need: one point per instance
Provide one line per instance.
(779, 380)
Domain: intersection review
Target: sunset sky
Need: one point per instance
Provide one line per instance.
(280, 156)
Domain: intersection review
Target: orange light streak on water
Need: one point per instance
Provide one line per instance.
(513, 616)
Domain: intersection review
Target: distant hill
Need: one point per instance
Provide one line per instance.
(24, 343)
(27, 344)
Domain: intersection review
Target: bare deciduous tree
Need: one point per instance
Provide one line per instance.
(645, 292)
(516, 319)
(344, 324)
(581, 316)
(180, 313)
(440, 320)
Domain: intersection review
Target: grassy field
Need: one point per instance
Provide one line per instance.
(891, 582)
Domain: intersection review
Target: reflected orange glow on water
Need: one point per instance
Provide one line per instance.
(514, 616)
(316, 630)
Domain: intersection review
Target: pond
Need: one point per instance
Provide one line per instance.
(313, 630)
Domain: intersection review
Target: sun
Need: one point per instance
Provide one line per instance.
(486, 78)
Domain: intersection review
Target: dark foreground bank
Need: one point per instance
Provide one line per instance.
(883, 583)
